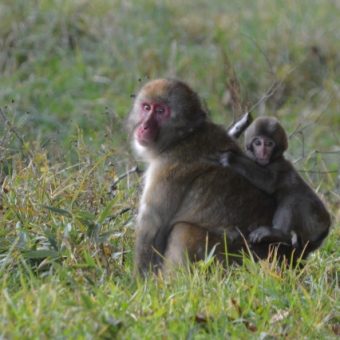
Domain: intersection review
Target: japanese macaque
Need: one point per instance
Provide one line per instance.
(300, 217)
(189, 206)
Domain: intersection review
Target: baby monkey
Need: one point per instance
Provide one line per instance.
(301, 217)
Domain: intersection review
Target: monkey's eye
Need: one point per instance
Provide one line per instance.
(146, 107)
(257, 142)
(269, 143)
(160, 110)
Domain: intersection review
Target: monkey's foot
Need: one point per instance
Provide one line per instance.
(260, 234)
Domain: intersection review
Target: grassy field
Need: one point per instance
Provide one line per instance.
(68, 198)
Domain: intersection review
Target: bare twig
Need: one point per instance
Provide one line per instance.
(276, 83)
(300, 128)
(270, 91)
(113, 186)
(120, 213)
(257, 45)
(13, 129)
(319, 171)
(233, 86)
(327, 152)
(299, 131)
(121, 177)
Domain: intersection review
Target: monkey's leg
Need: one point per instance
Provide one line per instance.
(182, 242)
(281, 229)
(188, 242)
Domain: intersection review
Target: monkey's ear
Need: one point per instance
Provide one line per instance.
(203, 114)
(284, 143)
(248, 144)
(279, 135)
(281, 145)
(281, 141)
(198, 119)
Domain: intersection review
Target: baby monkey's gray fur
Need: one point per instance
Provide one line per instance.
(300, 217)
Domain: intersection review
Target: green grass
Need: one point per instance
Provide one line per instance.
(68, 69)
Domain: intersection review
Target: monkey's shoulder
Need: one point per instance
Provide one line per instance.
(290, 182)
(172, 171)
(217, 136)
(208, 139)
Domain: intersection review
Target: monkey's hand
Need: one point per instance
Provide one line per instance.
(260, 234)
(226, 158)
(270, 234)
(223, 158)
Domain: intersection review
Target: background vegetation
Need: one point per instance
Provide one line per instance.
(69, 186)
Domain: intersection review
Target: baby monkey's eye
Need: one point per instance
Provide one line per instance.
(160, 110)
(269, 143)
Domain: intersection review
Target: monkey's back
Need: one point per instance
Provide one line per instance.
(295, 198)
(218, 198)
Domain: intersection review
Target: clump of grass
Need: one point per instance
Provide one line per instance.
(66, 259)
(53, 213)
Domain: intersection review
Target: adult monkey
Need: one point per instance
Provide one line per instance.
(185, 200)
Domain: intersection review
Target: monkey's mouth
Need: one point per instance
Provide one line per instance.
(262, 161)
(145, 138)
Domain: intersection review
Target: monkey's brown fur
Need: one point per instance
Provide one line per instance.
(185, 200)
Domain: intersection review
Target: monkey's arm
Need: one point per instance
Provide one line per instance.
(148, 255)
(163, 193)
(264, 178)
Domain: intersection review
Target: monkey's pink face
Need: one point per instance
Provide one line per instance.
(263, 148)
(152, 117)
